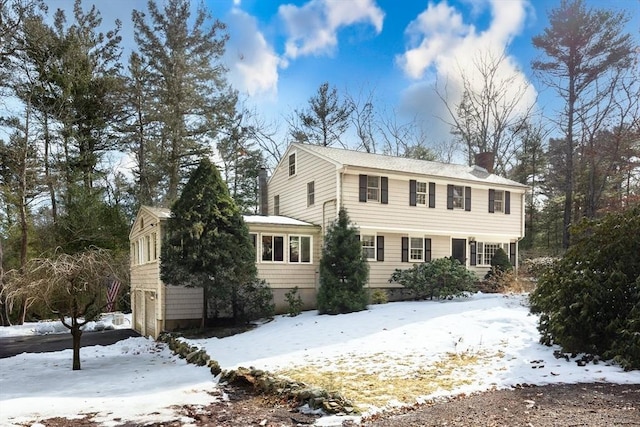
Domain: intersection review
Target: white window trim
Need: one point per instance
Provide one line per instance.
(377, 188)
(375, 246)
(480, 252)
(300, 236)
(285, 247)
(461, 197)
(425, 193)
(496, 201)
(295, 164)
(421, 248)
(311, 194)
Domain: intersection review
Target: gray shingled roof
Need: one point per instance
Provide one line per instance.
(342, 157)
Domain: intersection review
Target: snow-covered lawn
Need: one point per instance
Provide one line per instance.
(391, 353)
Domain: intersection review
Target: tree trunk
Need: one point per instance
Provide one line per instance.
(76, 333)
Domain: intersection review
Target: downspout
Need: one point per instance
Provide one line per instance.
(339, 178)
(324, 205)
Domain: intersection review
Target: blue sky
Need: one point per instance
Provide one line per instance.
(279, 52)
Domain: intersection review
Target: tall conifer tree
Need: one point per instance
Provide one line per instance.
(189, 97)
(208, 245)
(581, 47)
(343, 270)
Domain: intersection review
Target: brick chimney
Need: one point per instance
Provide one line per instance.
(485, 160)
(263, 193)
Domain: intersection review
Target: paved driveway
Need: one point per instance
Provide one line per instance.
(11, 346)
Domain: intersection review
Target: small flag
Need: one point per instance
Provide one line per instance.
(112, 294)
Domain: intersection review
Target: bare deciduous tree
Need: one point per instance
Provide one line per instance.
(364, 120)
(492, 110)
(73, 287)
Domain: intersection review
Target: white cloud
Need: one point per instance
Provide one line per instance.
(253, 64)
(312, 28)
(442, 46)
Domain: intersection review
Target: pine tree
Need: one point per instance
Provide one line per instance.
(208, 245)
(190, 99)
(326, 119)
(584, 50)
(343, 270)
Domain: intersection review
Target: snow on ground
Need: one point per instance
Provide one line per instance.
(106, 321)
(138, 380)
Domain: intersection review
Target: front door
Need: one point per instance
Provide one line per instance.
(459, 250)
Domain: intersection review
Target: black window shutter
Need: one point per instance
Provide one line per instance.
(507, 202)
(363, 188)
(384, 190)
(449, 196)
(512, 253)
(412, 192)
(405, 249)
(474, 253)
(467, 198)
(432, 194)
(380, 248)
(492, 201)
(427, 250)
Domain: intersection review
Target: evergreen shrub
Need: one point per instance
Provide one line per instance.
(442, 278)
(343, 270)
(589, 300)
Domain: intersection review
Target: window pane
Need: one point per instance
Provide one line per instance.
(458, 196)
(372, 187)
(369, 246)
(416, 249)
(278, 248)
(267, 248)
(294, 249)
(292, 164)
(305, 249)
(497, 204)
(310, 193)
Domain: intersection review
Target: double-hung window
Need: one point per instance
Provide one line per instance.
(292, 164)
(421, 193)
(368, 247)
(416, 249)
(311, 193)
(300, 249)
(373, 188)
(272, 248)
(498, 201)
(458, 197)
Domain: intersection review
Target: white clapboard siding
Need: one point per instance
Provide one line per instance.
(398, 215)
(292, 190)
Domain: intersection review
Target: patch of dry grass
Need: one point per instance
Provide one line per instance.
(379, 379)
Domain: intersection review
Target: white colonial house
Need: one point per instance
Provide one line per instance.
(407, 211)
